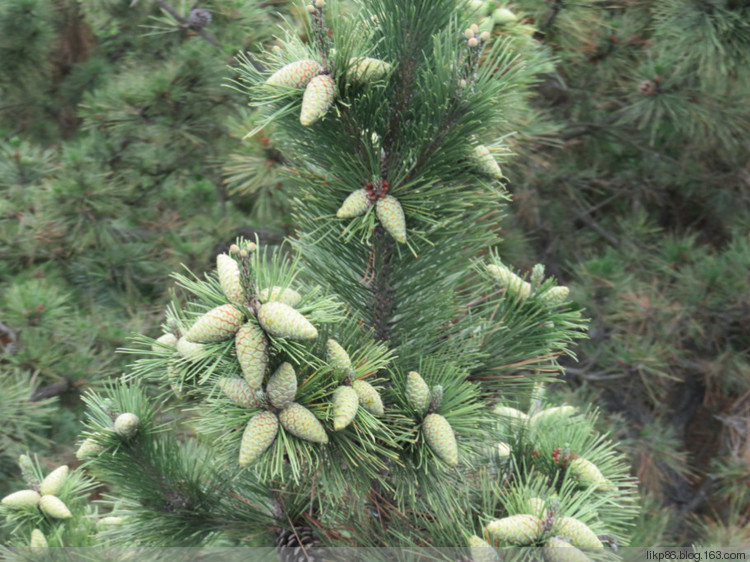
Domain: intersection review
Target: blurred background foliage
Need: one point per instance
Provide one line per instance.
(121, 157)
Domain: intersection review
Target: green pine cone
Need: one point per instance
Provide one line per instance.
(518, 530)
(369, 397)
(54, 481)
(481, 551)
(239, 392)
(54, 507)
(589, 475)
(251, 346)
(109, 522)
(355, 205)
(88, 449)
(167, 340)
(295, 75)
(229, 278)
(318, 97)
(556, 550)
(502, 16)
(417, 392)
(28, 471)
(440, 437)
(508, 412)
(189, 350)
(576, 533)
(218, 324)
(337, 356)
(487, 163)
(392, 217)
(556, 295)
(280, 294)
(282, 386)
(283, 321)
(436, 397)
(24, 498)
(536, 507)
(38, 540)
(366, 69)
(503, 450)
(302, 423)
(345, 405)
(259, 434)
(126, 425)
(509, 280)
(549, 414)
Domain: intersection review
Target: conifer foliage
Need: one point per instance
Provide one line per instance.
(381, 380)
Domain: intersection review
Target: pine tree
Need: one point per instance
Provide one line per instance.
(393, 99)
(114, 126)
(637, 197)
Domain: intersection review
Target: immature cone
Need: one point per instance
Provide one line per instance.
(481, 551)
(556, 550)
(487, 163)
(283, 321)
(417, 392)
(510, 280)
(189, 350)
(369, 398)
(366, 69)
(239, 392)
(518, 530)
(355, 205)
(436, 397)
(318, 97)
(54, 507)
(345, 405)
(88, 449)
(229, 278)
(440, 437)
(24, 498)
(589, 475)
(551, 414)
(259, 434)
(282, 386)
(302, 423)
(280, 294)
(167, 340)
(295, 75)
(503, 450)
(508, 412)
(501, 16)
(576, 533)
(54, 481)
(536, 507)
(218, 324)
(556, 295)
(126, 425)
(392, 217)
(337, 356)
(251, 346)
(27, 470)
(38, 540)
(109, 522)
